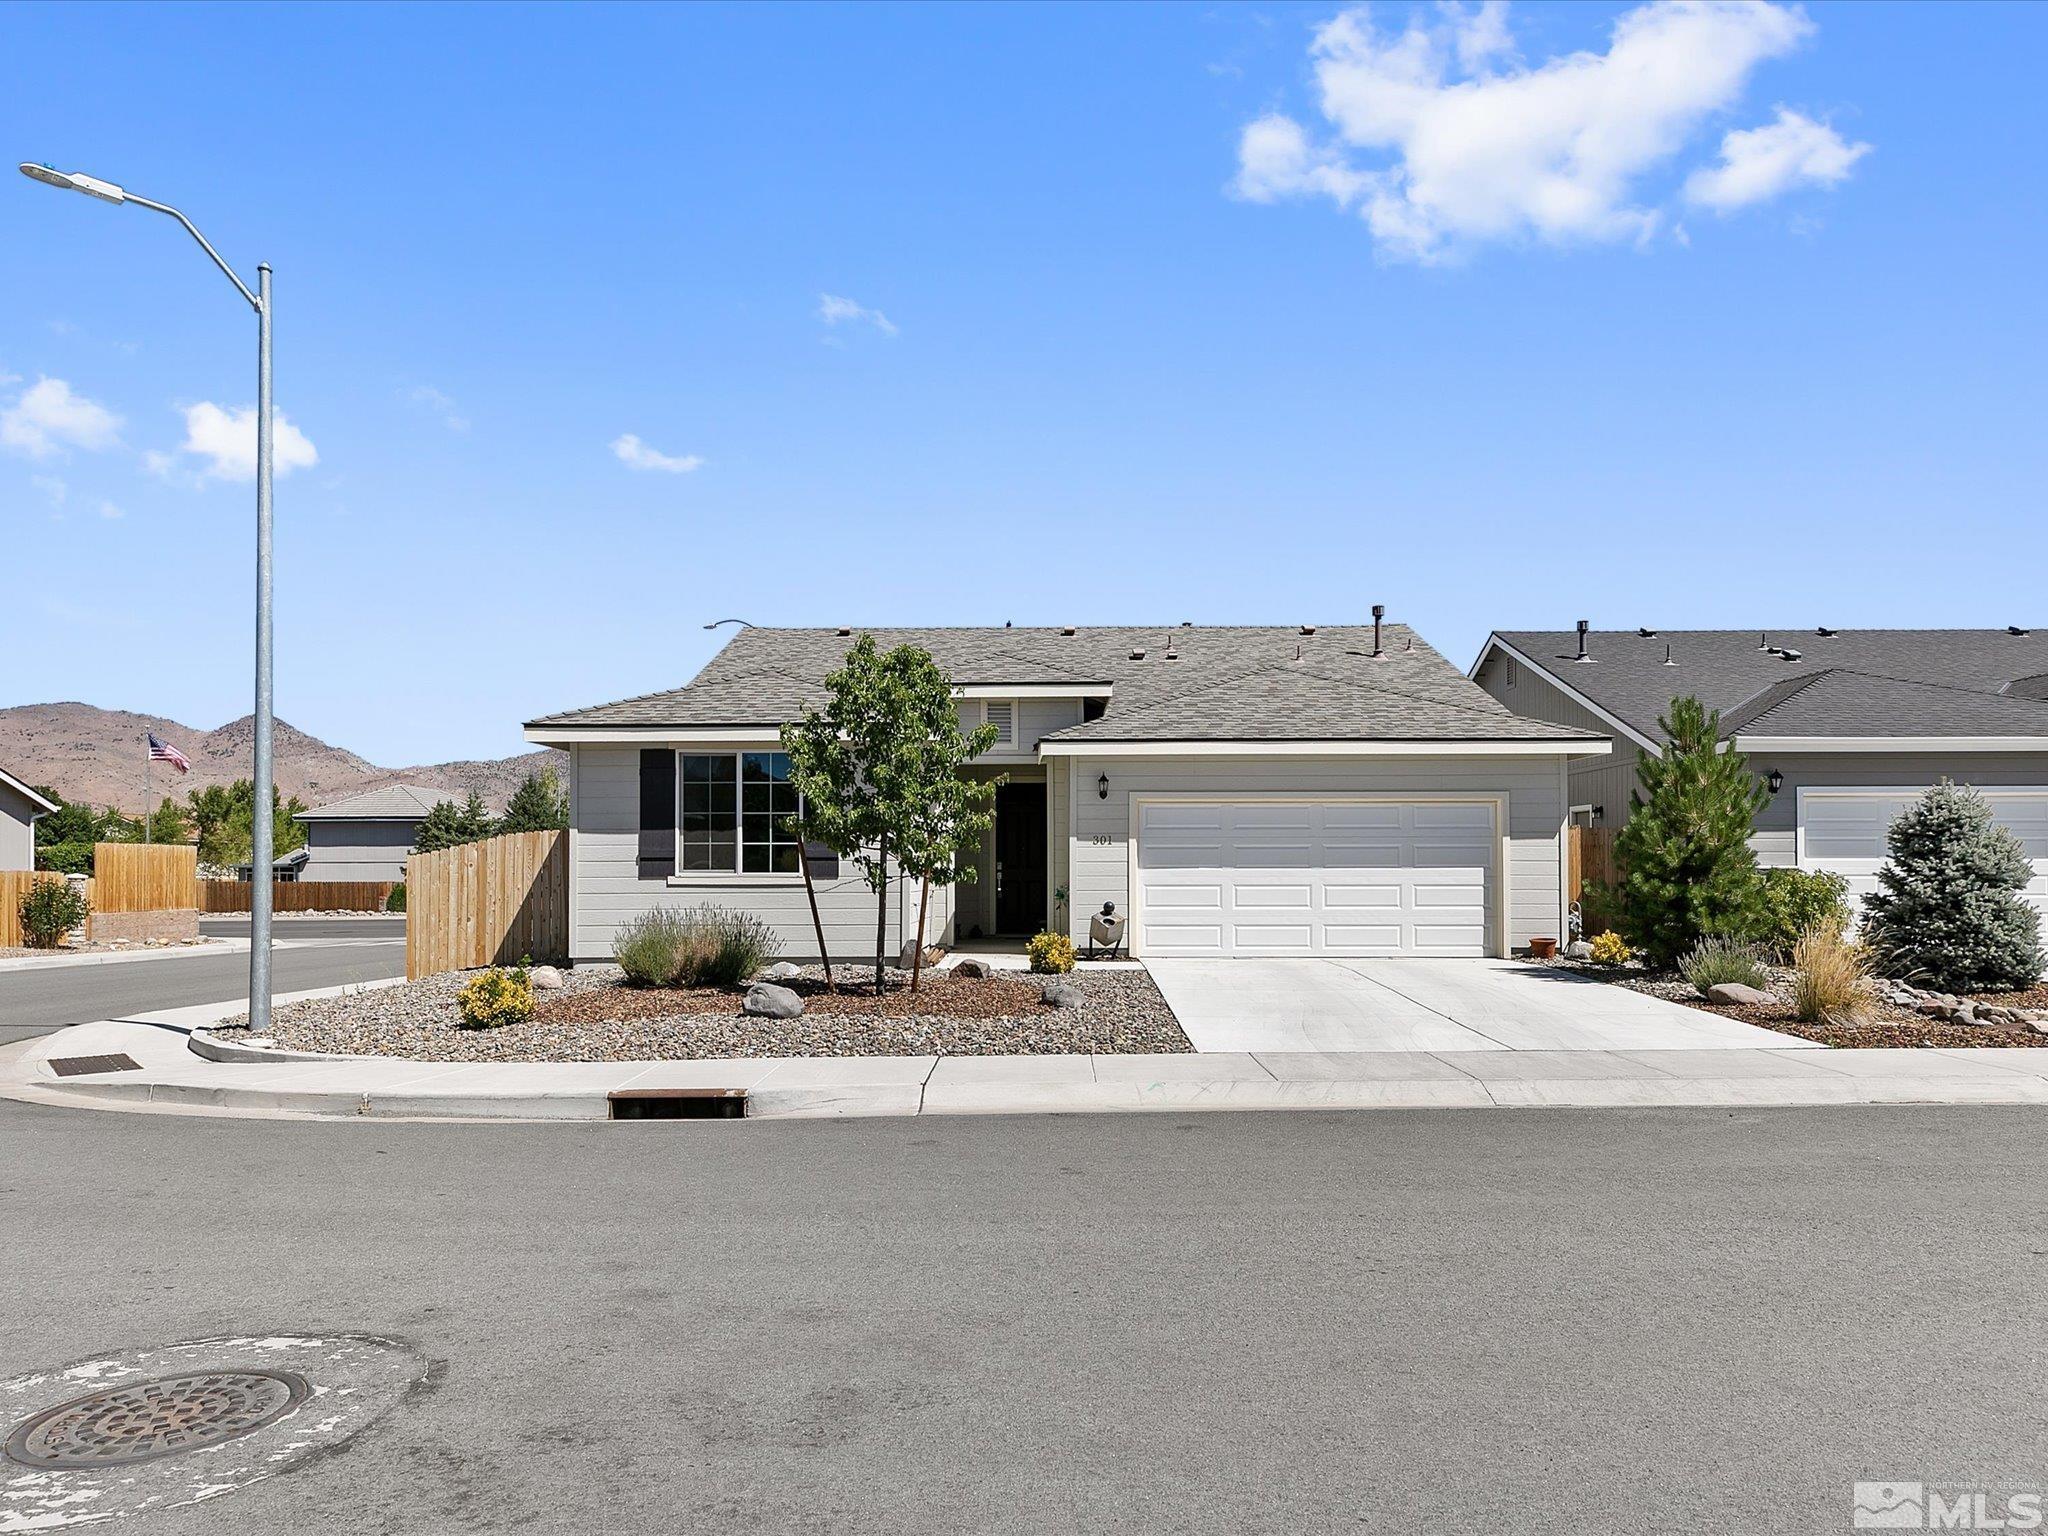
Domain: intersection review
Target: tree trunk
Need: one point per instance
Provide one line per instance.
(881, 911)
(811, 892)
(924, 891)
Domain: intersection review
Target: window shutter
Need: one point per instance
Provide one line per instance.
(821, 861)
(657, 813)
(1002, 714)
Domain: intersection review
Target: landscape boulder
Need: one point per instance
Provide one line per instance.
(974, 970)
(782, 970)
(1733, 994)
(907, 958)
(765, 1000)
(544, 978)
(1062, 994)
(1578, 949)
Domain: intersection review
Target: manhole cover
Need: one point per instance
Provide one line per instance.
(149, 1419)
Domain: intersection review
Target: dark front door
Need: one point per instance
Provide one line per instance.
(1020, 858)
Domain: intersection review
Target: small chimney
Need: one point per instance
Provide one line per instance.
(1582, 656)
(1379, 612)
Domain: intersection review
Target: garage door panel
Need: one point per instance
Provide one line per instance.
(1844, 831)
(1285, 878)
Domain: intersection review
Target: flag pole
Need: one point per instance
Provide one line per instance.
(145, 788)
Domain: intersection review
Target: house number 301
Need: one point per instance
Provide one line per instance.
(1101, 840)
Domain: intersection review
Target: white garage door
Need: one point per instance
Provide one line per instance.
(1320, 877)
(1844, 830)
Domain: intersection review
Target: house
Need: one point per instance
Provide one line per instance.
(365, 837)
(1234, 791)
(19, 808)
(1843, 726)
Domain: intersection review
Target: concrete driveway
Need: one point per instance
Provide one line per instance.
(1431, 1005)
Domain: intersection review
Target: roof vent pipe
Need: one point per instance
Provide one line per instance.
(1582, 656)
(1379, 612)
(1763, 642)
(1824, 632)
(2014, 629)
(1667, 655)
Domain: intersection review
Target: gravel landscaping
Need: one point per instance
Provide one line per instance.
(1885, 1023)
(595, 1016)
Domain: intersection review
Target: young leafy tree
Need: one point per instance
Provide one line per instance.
(224, 817)
(539, 804)
(1686, 865)
(1948, 912)
(934, 812)
(448, 825)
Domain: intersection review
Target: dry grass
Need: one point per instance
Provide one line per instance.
(1828, 975)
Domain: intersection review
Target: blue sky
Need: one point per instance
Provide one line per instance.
(1234, 314)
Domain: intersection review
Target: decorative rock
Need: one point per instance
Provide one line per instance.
(768, 1001)
(908, 955)
(782, 970)
(2038, 1024)
(545, 978)
(1733, 994)
(1578, 949)
(974, 970)
(1062, 994)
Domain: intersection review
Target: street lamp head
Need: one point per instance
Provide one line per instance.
(74, 181)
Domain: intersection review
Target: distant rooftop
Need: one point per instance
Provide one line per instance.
(394, 802)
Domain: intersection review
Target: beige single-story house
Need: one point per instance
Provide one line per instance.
(1295, 790)
(20, 806)
(1844, 727)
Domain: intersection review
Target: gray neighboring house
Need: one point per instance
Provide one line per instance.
(19, 808)
(365, 837)
(1844, 726)
(1275, 791)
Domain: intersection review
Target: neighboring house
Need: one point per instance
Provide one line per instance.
(1235, 791)
(365, 837)
(1843, 726)
(19, 808)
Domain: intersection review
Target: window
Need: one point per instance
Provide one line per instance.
(736, 814)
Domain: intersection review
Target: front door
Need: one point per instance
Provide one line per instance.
(1020, 858)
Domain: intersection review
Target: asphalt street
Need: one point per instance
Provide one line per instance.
(320, 952)
(1551, 1321)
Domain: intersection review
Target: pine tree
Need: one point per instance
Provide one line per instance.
(448, 825)
(1948, 912)
(1686, 865)
(539, 804)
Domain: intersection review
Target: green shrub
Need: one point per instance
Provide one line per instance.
(1794, 900)
(705, 947)
(395, 902)
(1949, 912)
(48, 910)
(1717, 959)
(1600, 910)
(1051, 953)
(66, 858)
(495, 998)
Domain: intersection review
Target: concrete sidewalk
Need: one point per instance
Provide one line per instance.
(172, 1076)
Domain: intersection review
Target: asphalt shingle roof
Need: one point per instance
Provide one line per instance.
(394, 802)
(1851, 682)
(1177, 683)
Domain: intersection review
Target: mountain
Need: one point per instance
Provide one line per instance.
(96, 755)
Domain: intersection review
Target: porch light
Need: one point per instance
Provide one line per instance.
(1102, 787)
(1775, 779)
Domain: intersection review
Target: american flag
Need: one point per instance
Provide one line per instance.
(164, 752)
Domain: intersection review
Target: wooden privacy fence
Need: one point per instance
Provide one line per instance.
(487, 903)
(299, 895)
(1592, 858)
(14, 884)
(144, 877)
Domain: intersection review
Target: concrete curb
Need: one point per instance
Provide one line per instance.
(59, 961)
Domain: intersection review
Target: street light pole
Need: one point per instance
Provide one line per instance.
(260, 817)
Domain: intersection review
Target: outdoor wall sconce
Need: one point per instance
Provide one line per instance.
(1775, 779)
(1102, 787)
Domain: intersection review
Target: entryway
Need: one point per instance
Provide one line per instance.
(1020, 858)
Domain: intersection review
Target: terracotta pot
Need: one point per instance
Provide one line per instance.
(1543, 949)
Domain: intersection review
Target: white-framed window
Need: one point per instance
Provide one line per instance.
(735, 814)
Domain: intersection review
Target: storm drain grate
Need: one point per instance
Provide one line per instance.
(148, 1419)
(80, 1066)
(678, 1103)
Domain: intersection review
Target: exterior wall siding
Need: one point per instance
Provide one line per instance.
(1606, 780)
(1058, 823)
(17, 831)
(1533, 881)
(1776, 837)
(357, 850)
(606, 890)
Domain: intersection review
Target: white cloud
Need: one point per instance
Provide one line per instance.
(632, 452)
(834, 310)
(431, 400)
(1441, 141)
(109, 511)
(1760, 163)
(47, 416)
(227, 441)
(51, 487)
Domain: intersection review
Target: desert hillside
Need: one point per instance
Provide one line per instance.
(96, 755)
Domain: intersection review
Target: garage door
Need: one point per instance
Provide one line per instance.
(1844, 830)
(1322, 877)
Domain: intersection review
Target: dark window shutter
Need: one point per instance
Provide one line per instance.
(657, 813)
(821, 861)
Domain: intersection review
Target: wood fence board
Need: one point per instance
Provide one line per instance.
(145, 877)
(488, 903)
(14, 884)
